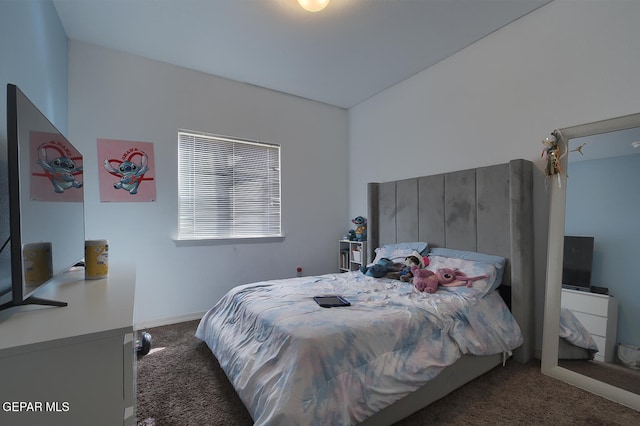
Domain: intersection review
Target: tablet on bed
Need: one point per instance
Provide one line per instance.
(331, 301)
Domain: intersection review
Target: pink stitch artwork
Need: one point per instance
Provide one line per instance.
(126, 171)
(55, 169)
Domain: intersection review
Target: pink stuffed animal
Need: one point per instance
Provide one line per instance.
(453, 278)
(424, 279)
(428, 281)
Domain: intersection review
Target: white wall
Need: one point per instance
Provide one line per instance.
(566, 63)
(33, 48)
(119, 96)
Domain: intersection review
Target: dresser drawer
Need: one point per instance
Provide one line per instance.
(594, 324)
(595, 304)
(602, 344)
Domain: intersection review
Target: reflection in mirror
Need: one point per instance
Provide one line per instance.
(600, 244)
(596, 199)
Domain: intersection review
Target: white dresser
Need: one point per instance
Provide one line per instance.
(72, 365)
(599, 315)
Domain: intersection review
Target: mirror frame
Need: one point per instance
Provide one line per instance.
(553, 288)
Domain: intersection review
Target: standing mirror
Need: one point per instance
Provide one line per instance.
(594, 199)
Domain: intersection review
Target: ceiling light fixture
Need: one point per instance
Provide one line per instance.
(313, 5)
(636, 144)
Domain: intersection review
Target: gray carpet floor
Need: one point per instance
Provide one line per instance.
(180, 383)
(611, 373)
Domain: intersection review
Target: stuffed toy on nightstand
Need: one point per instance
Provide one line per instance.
(361, 228)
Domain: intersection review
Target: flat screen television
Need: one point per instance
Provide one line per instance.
(577, 262)
(44, 234)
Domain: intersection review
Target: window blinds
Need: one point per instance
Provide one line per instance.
(228, 188)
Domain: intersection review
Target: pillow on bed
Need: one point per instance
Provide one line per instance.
(398, 252)
(472, 264)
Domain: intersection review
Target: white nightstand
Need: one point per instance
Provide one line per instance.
(351, 255)
(599, 315)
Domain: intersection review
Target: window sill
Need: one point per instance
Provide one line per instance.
(225, 241)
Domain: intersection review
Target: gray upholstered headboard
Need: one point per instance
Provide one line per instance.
(488, 209)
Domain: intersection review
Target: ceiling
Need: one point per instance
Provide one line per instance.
(341, 56)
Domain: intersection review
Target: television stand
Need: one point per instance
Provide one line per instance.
(77, 362)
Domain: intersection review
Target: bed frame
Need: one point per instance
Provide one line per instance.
(567, 350)
(487, 209)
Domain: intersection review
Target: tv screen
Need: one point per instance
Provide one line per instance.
(577, 262)
(45, 205)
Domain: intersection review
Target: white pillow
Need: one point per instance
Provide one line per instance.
(398, 252)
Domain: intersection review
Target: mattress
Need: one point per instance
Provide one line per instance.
(292, 361)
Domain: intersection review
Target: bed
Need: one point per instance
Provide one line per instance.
(485, 211)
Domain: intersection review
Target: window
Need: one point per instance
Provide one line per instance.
(227, 188)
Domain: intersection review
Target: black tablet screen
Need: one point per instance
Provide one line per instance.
(331, 301)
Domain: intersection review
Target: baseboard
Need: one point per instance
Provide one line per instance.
(167, 321)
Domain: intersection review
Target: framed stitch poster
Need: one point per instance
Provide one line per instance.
(126, 171)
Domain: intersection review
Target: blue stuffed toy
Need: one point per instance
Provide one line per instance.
(361, 228)
(381, 268)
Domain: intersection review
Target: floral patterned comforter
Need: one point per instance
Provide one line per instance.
(294, 362)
